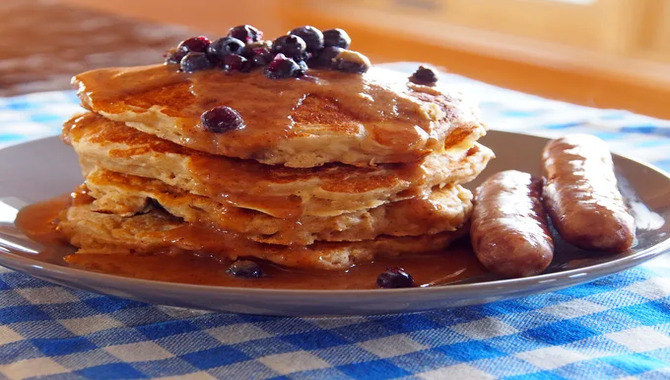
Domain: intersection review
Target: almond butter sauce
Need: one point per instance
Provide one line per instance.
(379, 103)
(38, 222)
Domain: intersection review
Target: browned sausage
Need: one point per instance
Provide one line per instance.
(581, 194)
(509, 230)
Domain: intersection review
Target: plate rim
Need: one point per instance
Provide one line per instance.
(35, 267)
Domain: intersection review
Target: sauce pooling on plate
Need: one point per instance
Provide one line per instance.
(457, 263)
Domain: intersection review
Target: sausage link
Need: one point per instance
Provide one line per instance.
(581, 194)
(509, 230)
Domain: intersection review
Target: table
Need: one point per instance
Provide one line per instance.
(614, 327)
(618, 326)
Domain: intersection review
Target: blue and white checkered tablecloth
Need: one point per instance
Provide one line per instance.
(615, 327)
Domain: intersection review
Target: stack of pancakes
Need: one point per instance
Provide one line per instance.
(329, 170)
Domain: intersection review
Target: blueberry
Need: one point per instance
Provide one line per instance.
(194, 62)
(254, 48)
(235, 62)
(245, 33)
(174, 56)
(224, 46)
(424, 75)
(312, 36)
(245, 269)
(262, 58)
(282, 67)
(395, 278)
(194, 44)
(325, 57)
(221, 119)
(291, 46)
(351, 62)
(259, 53)
(336, 37)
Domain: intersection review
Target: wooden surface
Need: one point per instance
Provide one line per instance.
(74, 39)
(43, 43)
(570, 73)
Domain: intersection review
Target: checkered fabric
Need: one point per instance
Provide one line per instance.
(615, 327)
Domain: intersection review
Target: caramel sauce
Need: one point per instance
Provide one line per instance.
(38, 223)
(378, 103)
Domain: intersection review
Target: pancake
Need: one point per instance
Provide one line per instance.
(326, 116)
(314, 168)
(329, 190)
(444, 209)
(157, 232)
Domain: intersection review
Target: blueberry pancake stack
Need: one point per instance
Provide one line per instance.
(295, 151)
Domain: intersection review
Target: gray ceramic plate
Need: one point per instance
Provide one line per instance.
(45, 168)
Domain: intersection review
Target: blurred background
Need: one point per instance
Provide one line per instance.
(603, 53)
